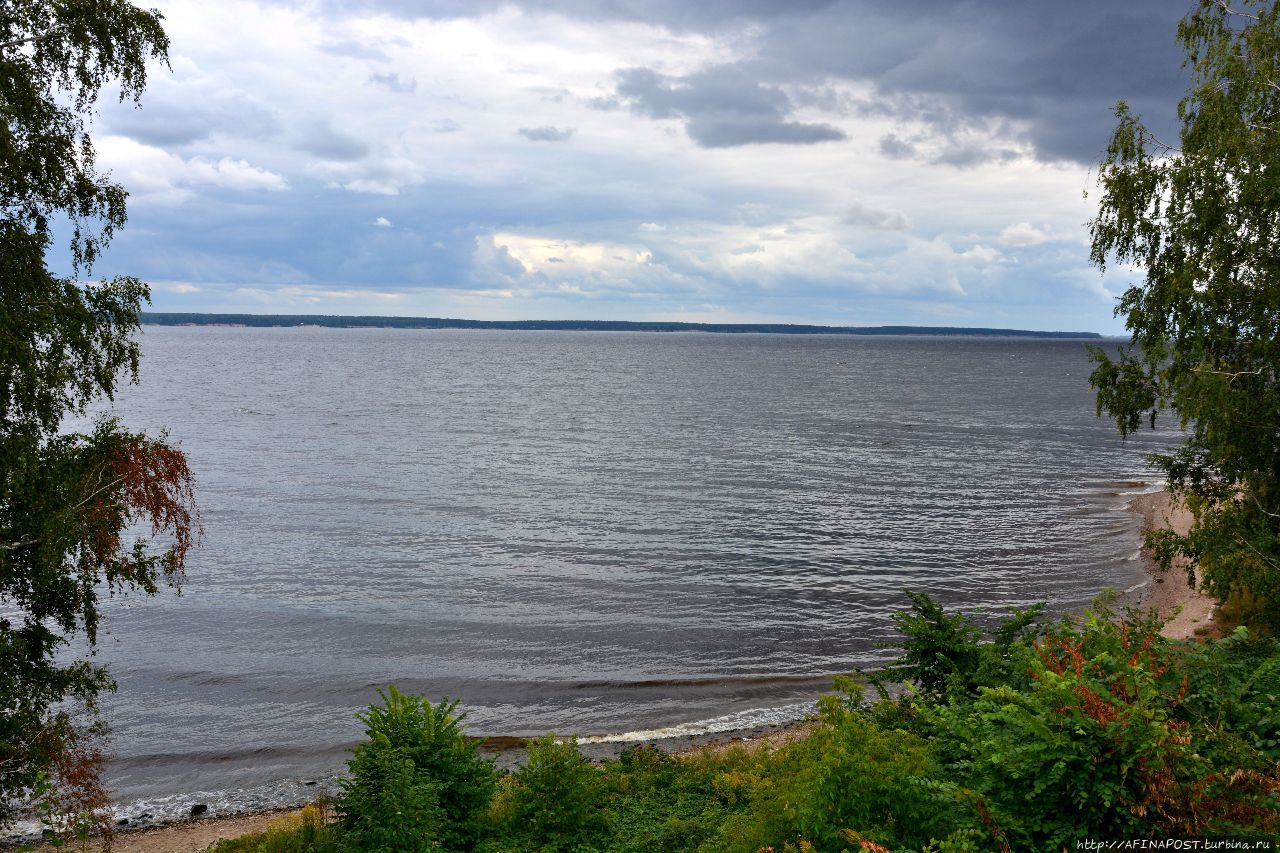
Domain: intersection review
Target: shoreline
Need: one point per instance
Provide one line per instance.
(197, 834)
(1166, 592)
(1170, 590)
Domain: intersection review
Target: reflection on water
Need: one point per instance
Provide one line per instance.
(585, 532)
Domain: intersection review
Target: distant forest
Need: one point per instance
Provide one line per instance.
(338, 322)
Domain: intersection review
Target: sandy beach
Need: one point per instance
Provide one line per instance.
(191, 836)
(1169, 590)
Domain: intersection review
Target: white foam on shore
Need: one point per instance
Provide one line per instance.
(1150, 487)
(750, 719)
(170, 807)
(173, 808)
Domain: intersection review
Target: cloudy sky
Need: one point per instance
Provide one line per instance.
(827, 161)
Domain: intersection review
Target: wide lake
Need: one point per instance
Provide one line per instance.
(591, 533)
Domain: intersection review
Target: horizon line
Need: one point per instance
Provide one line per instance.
(202, 318)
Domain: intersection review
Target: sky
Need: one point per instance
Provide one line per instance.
(843, 162)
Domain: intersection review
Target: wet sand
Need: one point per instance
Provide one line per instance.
(188, 836)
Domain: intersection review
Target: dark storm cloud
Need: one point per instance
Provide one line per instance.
(731, 131)
(896, 148)
(1053, 69)
(721, 108)
(721, 91)
(964, 155)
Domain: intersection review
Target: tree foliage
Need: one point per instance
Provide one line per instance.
(80, 514)
(1202, 223)
(55, 57)
(945, 654)
(554, 799)
(417, 783)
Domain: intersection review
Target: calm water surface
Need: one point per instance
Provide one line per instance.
(594, 533)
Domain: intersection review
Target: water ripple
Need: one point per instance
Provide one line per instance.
(585, 532)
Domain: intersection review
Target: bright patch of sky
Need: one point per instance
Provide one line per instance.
(829, 162)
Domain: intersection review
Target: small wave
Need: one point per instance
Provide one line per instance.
(290, 792)
(820, 681)
(750, 719)
(1149, 490)
(255, 754)
(206, 678)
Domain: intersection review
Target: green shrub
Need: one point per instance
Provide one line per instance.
(1100, 744)
(417, 782)
(1233, 687)
(553, 802)
(848, 781)
(945, 654)
(388, 805)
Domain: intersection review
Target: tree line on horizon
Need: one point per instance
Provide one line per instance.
(339, 321)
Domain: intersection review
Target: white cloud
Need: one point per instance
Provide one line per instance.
(814, 255)
(151, 172)
(234, 174)
(982, 254)
(179, 287)
(631, 211)
(374, 176)
(539, 254)
(1022, 234)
